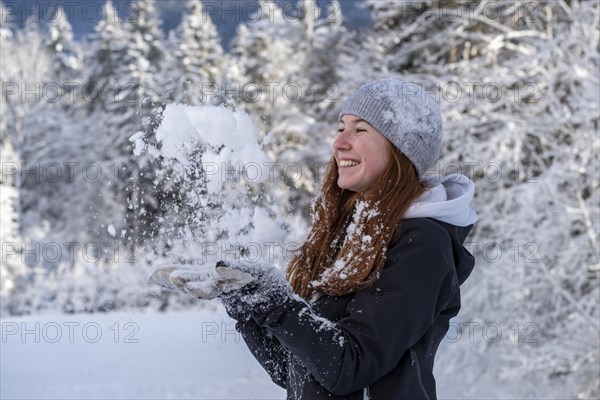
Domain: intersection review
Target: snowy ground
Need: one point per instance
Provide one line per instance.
(195, 354)
(176, 355)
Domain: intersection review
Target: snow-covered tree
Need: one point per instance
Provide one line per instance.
(12, 268)
(263, 62)
(125, 62)
(334, 13)
(195, 65)
(145, 59)
(58, 203)
(113, 101)
(12, 141)
(263, 71)
(6, 24)
(145, 56)
(309, 12)
(409, 33)
(302, 128)
(107, 75)
(521, 118)
(323, 47)
(19, 73)
(6, 36)
(66, 56)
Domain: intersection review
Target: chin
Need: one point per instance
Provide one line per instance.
(341, 185)
(346, 187)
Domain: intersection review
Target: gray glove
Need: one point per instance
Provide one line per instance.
(242, 287)
(267, 290)
(200, 282)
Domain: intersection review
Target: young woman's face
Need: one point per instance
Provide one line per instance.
(361, 153)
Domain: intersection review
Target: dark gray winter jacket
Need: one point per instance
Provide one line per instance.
(380, 341)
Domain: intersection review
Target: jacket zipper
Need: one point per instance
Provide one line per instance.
(413, 356)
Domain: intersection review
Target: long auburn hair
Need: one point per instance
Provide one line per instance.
(346, 246)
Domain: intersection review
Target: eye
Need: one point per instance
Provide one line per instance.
(359, 130)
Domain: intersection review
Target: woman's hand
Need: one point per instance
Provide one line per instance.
(268, 289)
(201, 283)
(243, 287)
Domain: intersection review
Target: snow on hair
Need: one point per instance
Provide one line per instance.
(349, 234)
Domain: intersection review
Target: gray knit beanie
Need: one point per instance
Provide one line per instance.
(405, 114)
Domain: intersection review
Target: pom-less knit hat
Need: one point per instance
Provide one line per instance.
(403, 113)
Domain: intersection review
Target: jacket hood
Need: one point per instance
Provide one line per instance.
(463, 259)
(448, 199)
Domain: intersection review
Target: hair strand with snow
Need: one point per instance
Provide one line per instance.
(346, 245)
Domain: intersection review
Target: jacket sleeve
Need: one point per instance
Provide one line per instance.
(267, 350)
(382, 321)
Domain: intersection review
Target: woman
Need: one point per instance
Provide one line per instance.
(369, 295)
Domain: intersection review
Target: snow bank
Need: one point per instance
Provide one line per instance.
(183, 355)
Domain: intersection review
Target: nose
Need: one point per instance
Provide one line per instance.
(341, 142)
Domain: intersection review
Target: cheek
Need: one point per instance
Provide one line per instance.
(379, 157)
(375, 165)
(378, 167)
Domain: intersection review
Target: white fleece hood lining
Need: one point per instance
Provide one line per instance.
(448, 199)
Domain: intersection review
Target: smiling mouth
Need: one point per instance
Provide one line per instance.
(348, 163)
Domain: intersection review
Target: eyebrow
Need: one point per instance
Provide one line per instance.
(356, 121)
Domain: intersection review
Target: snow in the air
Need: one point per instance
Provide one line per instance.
(230, 141)
(111, 229)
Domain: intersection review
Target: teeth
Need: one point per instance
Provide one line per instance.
(348, 163)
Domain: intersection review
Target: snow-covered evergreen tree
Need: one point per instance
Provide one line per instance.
(6, 24)
(334, 15)
(66, 56)
(263, 62)
(21, 72)
(145, 56)
(300, 139)
(6, 36)
(107, 75)
(323, 47)
(12, 268)
(113, 100)
(125, 63)
(58, 203)
(195, 66)
(309, 12)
